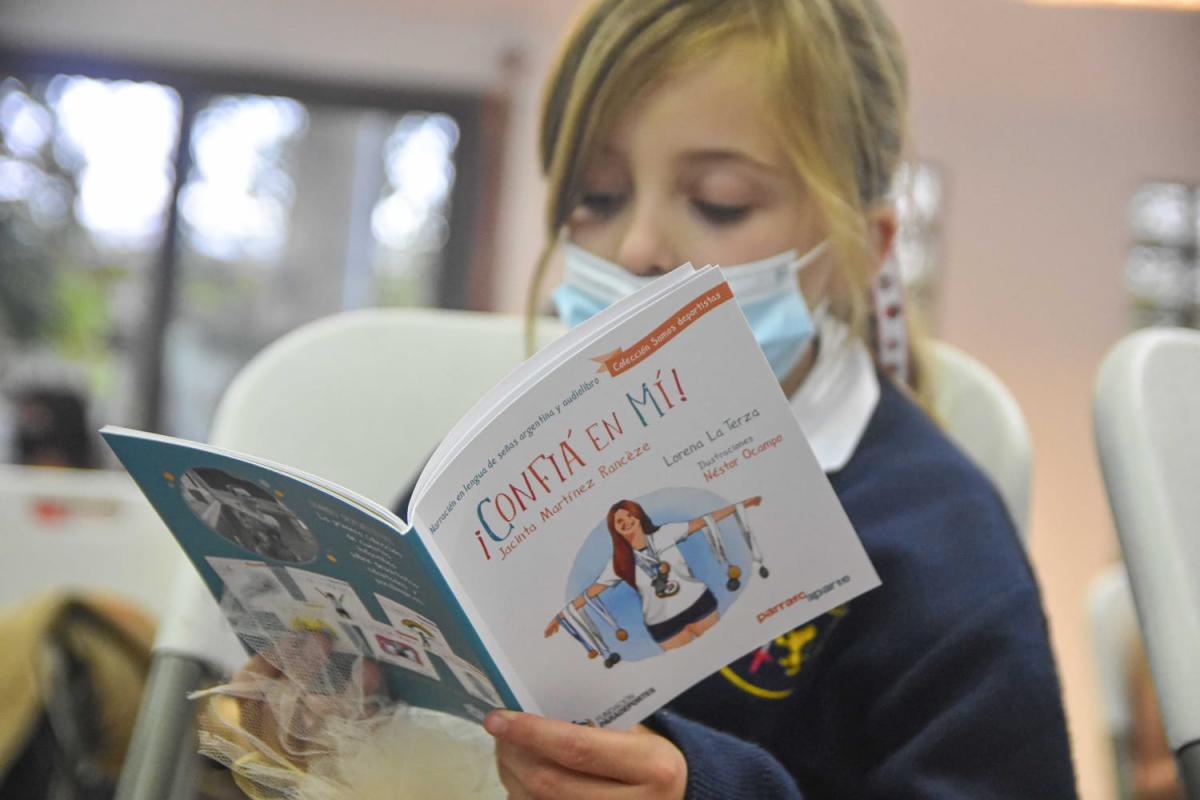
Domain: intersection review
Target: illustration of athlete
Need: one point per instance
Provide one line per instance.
(676, 606)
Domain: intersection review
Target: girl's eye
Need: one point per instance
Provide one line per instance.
(601, 204)
(719, 214)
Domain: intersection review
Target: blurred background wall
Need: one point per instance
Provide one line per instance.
(1041, 123)
(1047, 120)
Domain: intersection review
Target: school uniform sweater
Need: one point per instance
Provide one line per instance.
(938, 684)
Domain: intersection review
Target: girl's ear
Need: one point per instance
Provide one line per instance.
(881, 232)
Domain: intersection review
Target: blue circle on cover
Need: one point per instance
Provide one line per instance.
(662, 506)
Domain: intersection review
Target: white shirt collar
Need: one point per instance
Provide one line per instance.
(838, 397)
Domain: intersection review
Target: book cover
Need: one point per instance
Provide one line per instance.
(649, 512)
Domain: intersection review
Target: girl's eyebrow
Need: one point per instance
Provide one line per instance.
(720, 156)
(605, 161)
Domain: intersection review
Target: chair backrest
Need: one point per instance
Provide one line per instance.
(1115, 639)
(1147, 426)
(363, 398)
(983, 419)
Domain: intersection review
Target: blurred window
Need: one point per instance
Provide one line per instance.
(158, 227)
(291, 212)
(86, 168)
(1162, 268)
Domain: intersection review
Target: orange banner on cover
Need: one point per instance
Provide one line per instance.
(621, 360)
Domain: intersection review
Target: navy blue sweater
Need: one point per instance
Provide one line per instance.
(939, 684)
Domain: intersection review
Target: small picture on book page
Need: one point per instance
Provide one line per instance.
(415, 624)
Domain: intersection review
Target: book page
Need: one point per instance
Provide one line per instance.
(646, 513)
(287, 556)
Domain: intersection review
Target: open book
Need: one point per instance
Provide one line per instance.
(625, 513)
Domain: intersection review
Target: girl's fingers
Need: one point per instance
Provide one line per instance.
(525, 775)
(257, 666)
(372, 678)
(631, 757)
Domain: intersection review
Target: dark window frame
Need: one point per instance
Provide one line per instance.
(463, 283)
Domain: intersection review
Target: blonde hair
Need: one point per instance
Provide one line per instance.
(833, 70)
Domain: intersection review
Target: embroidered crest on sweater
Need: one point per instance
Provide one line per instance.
(770, 672)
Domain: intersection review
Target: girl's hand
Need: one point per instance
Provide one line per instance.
(308, 654)
(753, 501)
(552, 628)
(544, 758)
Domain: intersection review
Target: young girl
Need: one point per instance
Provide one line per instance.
(762, 135)
(676, 606)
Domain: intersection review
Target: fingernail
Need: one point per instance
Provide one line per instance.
(497, 722)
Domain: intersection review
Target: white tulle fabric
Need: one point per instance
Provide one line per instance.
(305, 720)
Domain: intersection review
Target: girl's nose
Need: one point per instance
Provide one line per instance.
(646, 247)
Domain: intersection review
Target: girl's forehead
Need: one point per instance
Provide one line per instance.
(705, 107)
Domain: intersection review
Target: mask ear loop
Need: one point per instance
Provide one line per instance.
(890, 324)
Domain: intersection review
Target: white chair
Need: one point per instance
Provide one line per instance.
(1147, 426)
(1115, 635)
(981, 417)
(362, 399)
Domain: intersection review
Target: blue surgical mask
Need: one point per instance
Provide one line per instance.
(767, 291)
